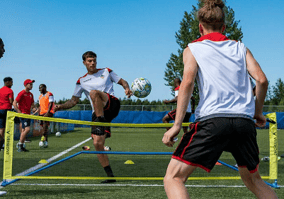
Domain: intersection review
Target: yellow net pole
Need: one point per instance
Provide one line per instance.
(9, 140)
(273, 147)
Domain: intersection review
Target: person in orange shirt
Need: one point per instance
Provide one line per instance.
(46, 109)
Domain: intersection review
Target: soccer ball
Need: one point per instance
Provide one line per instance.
(41, 144)
(141, 87)
(58, 134)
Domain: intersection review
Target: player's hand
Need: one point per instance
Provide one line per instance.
(57, 107)
(169, 136)
(128, 92)
(260, 120)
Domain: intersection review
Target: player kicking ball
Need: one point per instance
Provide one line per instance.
(97, 85)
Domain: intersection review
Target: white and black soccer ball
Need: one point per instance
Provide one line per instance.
(41, 144)
(141, 87)
(58, 134)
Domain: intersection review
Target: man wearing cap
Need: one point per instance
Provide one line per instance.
(23, 104)
(6, 100)
(2, 49)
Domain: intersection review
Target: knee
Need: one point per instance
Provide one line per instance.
(98, 145)
(167, 179)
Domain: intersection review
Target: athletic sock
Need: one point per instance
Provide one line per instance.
(1, 143)
(108, 171)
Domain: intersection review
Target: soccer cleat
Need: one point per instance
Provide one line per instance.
(45, 144)
(17, 145)
(27, 141)
(108, 181)
(22, 149)
(265, 159)
(107, 148)
(42, 138)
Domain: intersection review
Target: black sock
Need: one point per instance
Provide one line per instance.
(108, 171)
(1, 143)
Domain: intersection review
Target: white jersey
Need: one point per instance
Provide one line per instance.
(224, 86)
(188, 110)
(101, 80)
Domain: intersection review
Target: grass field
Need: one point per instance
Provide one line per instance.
(125, 139)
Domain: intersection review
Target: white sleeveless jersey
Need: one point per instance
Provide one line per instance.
(102, 81)
(188, 110)
(224, 86)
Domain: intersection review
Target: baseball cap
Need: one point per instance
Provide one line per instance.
(28, 81)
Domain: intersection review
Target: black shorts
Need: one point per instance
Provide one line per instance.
(25, 122)
(204, 143)
(172, 116)
(111, 110)
(3, 116)
(45, 122)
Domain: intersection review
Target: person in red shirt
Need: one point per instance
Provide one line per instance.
(6, 100)
(23, 103)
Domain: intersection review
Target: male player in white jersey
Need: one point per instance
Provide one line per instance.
(97, 85)
(172, 114)
(224, 116)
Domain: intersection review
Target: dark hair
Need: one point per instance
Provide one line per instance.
(1, 41)
(88, 54)
(43, 85)
(7, 79)
(211, 15)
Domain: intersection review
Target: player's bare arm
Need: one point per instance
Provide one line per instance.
(185, 91)
(15, 104)
(69, 104)
(125, 85)
(34, 109)
(258, 75)
(49, 109)
(174, 100)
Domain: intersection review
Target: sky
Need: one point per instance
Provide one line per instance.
(45, 40)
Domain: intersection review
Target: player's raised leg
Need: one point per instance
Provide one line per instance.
(176, 176)
(256, 185)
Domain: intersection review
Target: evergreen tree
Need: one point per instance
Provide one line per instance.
(189, 32)
(278, 93)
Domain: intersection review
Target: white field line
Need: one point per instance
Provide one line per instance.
(50, 159)
(132, 185)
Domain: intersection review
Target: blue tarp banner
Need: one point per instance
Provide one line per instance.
(134, 117)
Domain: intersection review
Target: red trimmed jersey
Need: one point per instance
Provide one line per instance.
(188, 110)
(102, 81)
(6, 93)
(25, 101)
(223, 80)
